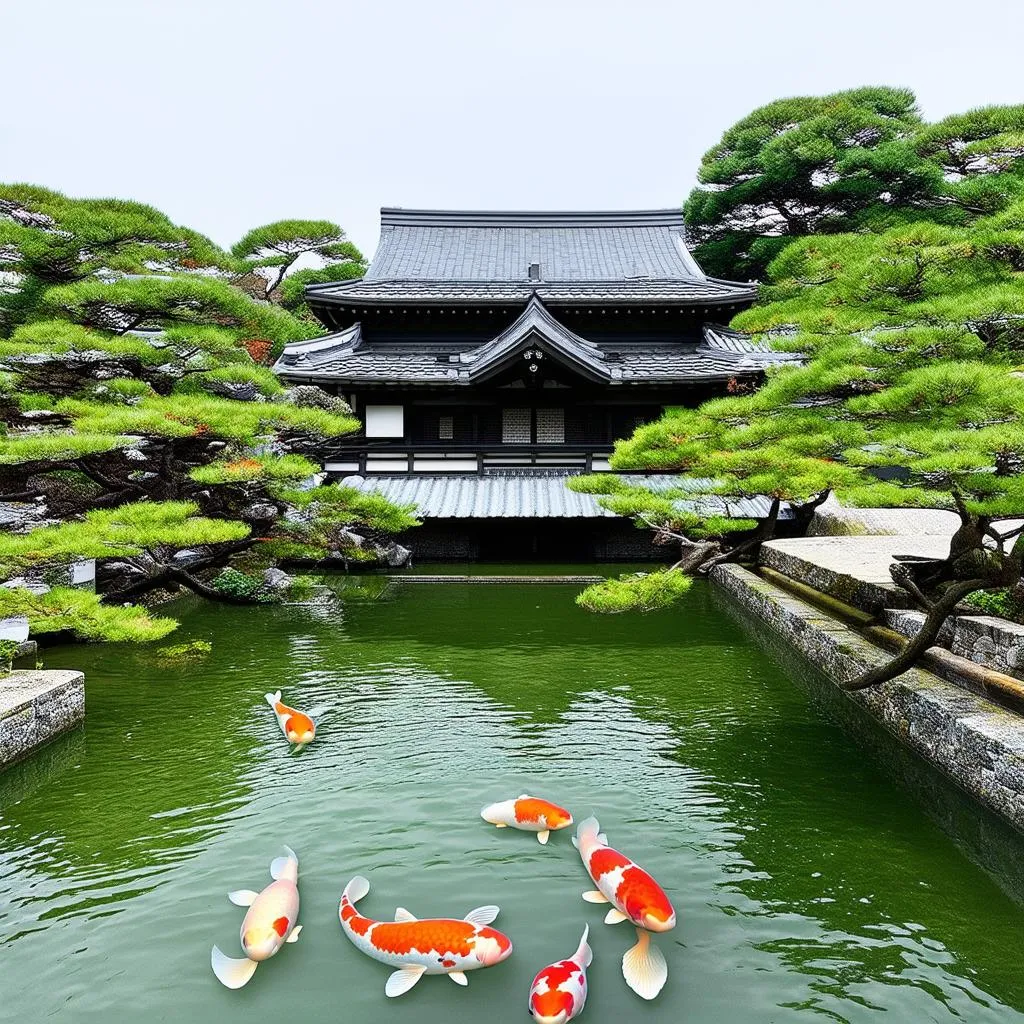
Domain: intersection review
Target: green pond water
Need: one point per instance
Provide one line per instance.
(819, 872)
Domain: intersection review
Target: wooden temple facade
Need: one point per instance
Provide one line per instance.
(483, 348)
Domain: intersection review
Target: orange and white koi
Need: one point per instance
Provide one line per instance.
(297, 727)
(529, 814)
(559, 992)
(636, 897)
(269, 923)
(415, 948)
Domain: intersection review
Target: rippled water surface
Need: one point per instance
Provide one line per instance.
(818, 872)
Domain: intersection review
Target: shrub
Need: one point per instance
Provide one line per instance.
(637, 592)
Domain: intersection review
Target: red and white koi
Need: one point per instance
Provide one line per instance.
(415, 948)
(559, 992)
(298, 728)
(634, 896)
(269, 923)
(529, 814)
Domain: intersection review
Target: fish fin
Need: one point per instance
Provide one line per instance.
(644, 967)
(294, 936)
(273, 698)
(230, 972)
(401, 914)
(242, 897)
(524, 796)
(602, 838)
(595, 896)
(575, 842)
(458, 977)
(584, 954)
(614, 917)
(356, 889)
(482, 915)
(543, 837)
(279, 865)
(403, 979)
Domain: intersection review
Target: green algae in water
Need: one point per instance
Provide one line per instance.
(818, 871)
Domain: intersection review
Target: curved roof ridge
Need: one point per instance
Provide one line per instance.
(391, 216)
(536, 319)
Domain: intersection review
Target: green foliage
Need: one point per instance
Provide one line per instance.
(192, 415)
(193, 650)
(57, 447)
(8, 649)
(290, 468)
(804, 165)
(1002, 603)
(638, 592)
(245, 587)
(339, 505)
(134, 397)
(153, 302)
(119, 532)
(81, 613)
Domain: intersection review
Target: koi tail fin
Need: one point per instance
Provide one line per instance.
(286, 866)
(644, 967)
(273, 699)
(588, 829)
(230, 972)
(356, 889)
(584, 955)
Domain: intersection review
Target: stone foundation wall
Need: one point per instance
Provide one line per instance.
(976, 743)
(36, 707)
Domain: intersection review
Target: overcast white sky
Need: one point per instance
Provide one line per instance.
(227, 114)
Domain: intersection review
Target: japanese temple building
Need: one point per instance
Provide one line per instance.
(490, 355)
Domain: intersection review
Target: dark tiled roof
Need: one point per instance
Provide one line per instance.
(463, 245)
(346, 357)
(700, 291)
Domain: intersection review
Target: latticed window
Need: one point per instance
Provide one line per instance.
(515, 426)
(446, 428)
(550, 426)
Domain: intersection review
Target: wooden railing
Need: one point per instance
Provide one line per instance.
(438, 457)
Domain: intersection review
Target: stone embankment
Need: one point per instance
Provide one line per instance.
(832, 599)
(35, 707)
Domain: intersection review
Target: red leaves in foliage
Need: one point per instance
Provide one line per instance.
(258, 348)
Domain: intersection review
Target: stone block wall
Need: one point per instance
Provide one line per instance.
(36, 707)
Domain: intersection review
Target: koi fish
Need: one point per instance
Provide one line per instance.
(560, 990)
(268, 924)
(529, 814)
(297, 727)
(636, 897)
(434, 946)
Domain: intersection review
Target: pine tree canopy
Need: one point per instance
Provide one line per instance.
(855, 160)
(136, 411)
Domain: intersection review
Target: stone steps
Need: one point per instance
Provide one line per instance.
(852, 569)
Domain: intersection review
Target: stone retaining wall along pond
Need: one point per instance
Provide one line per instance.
(973, 741)
(36, 707)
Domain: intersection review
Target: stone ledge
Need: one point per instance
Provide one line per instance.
(852, 569)
(984, 639)
(976, 743)
(36, 706)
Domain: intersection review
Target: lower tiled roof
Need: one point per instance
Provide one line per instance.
(526, 494)
(346, 356)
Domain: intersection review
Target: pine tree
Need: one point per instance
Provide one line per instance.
(135, 407)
